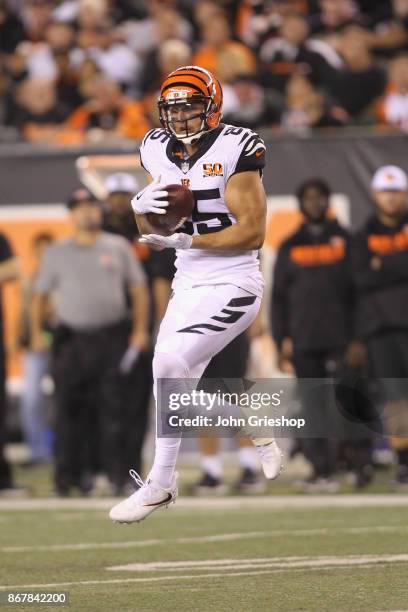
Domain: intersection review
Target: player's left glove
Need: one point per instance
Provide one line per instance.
(175, 241)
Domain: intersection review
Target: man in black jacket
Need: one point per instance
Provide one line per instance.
(379, 262)
(311, 311)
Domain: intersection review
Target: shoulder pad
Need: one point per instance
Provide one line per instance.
(251, 152)
(148, 148)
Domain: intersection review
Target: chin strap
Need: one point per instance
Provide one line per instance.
(194, 139)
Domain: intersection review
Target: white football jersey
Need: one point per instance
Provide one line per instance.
(225, 151)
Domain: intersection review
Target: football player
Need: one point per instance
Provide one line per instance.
(218, 285)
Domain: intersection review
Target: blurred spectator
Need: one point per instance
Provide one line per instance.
(360, 82)
(117, 62)
(35, 364)
(400, 11)
(123, 10)
(394, 106)
(59, 36)
(40, 57)
(259, 20)
(87, 72)
(168, 56)
(36, 14)
(39, 112)
(379, 264)
(88, 274)
(280, 54)
(339, 44)
(292, 51)
(11, 29)
(93, 18)
(67, 82)
(172, 54)
(55, 58)
(248, 104)
(162, 23)
(334, 15)
(206, 11)
(66, 11)
(307, 108)
(96, 35)
(222, 55)
(390, 28)
(106, 115)
(374, 8)
(9, 270)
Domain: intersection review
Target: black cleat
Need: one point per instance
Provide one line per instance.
(250, 482)
(208, 485)
(400, 483)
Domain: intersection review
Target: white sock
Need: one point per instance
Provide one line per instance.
(165, 459)
(211, 464)
(248, 458)
(167, 448)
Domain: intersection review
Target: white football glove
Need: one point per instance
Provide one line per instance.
(175, 241)
(147, 200)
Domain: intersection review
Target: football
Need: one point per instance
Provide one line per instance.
(181, 204)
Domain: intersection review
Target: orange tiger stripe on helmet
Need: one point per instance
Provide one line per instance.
(191, 75)
(191, 84)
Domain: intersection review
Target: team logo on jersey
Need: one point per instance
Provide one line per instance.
(213, 170)
(185, 167)
(185, 183)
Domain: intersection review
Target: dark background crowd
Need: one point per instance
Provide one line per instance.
(75, 71)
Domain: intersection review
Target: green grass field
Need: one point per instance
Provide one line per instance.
(222, 555)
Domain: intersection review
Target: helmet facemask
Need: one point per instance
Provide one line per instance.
(185, 117)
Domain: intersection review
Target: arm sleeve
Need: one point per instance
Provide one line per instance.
(252, 155)
(47, 277)
(279, 302)
(6, 251)
(144, 151)
(141, 160)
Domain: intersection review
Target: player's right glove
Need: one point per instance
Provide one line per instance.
(147, 200)
(175, 241)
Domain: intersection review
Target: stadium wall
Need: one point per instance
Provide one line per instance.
(30, 175)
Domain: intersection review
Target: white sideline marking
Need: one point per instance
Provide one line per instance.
(222, 537)
(204, 563)
(173, 578)
(261, 502)
(271, 562)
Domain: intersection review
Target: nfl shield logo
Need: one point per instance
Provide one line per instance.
(185, 167)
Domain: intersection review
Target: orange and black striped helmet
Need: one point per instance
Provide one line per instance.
(185, 88)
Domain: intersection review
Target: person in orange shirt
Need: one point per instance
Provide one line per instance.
(106, 115)
(222, 55)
